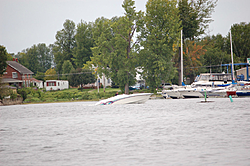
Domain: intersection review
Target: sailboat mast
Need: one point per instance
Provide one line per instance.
(232, 55)
(181, 59)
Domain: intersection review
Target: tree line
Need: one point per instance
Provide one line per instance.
(149, 40)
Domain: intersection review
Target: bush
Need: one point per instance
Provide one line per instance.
(33, 99)
(13, 96)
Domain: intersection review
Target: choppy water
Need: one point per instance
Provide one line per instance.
(159, 132)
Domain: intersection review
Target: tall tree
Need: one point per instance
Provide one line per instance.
(241, 41)
(115, 52)
(44, 57)
(84, 42)
(195, 16)
(36, 58)
(64, 45)
(160, 33)
(66, 68)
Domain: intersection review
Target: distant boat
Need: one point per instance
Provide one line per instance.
(137, 98)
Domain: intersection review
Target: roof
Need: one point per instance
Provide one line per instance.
(10, 80)
(20, 68)
(35, 80)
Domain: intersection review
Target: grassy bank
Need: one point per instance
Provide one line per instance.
(68, 95)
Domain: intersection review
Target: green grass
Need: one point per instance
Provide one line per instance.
(73, 94)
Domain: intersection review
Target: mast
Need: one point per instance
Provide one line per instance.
(181, 59)
(232, 55)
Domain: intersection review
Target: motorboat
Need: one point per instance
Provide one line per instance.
(171, 91)
(187, 92)
(136, 98)
(243, 90)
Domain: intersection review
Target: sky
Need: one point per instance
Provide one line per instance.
(24, 23)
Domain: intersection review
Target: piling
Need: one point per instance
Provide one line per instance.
(230, 97)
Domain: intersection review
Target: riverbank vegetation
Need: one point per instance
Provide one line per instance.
(33, 95)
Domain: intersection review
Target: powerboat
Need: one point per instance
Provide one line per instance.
(137, 98)
(171, 91)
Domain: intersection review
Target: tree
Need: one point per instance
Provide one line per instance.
(50, 74)
(241, 41)
(115, 52)
(192, 58)
(66, 68)
(161, 31)
(36, 58)
(40, 76)
(79, 77)
(84, 42)
(195, 16)
(64, 45)
(3, 59)
(44, 57)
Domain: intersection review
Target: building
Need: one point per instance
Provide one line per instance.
(56, 85)
(242, 73)
(17, 75)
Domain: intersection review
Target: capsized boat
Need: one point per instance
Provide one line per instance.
(137, 98)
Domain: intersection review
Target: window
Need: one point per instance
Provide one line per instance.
(51, 83)
(58, 84)
(30, 76)
(27, 76)
(14, 74)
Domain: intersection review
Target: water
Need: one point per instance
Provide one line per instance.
(159, 132)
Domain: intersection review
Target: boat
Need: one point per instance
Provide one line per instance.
(171, 91)
(136, 98)
(243, 90)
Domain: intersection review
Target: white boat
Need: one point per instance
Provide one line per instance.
(137, 98)
(171, 91)
(188, 92)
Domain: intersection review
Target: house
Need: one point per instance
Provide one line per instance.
(242, 73)
(56, 85)
(17, 75)
(37, 83)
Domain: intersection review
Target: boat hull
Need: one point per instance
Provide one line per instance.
(174, 94)
(138, 98)
(243, 93)
(188, 93)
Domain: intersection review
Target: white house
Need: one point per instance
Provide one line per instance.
(56, 85)
(37, 83)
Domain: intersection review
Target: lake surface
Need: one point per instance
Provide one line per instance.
(159, 132)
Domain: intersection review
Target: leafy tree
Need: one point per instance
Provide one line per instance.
(3, 59)
(44, 57)
(84, 42)
(79, 77)
(67, 67)
(241, 39)
(192, 58)
(9, 57)
(64, 45)
(40, 76)
(160, 34)
(50, 74)
(195, 16)
(115, 51)
(37, 58)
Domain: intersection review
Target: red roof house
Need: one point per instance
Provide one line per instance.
(16, 74)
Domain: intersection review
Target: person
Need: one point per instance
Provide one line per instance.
(116, 94)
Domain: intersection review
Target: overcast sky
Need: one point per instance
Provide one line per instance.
(24, 23)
